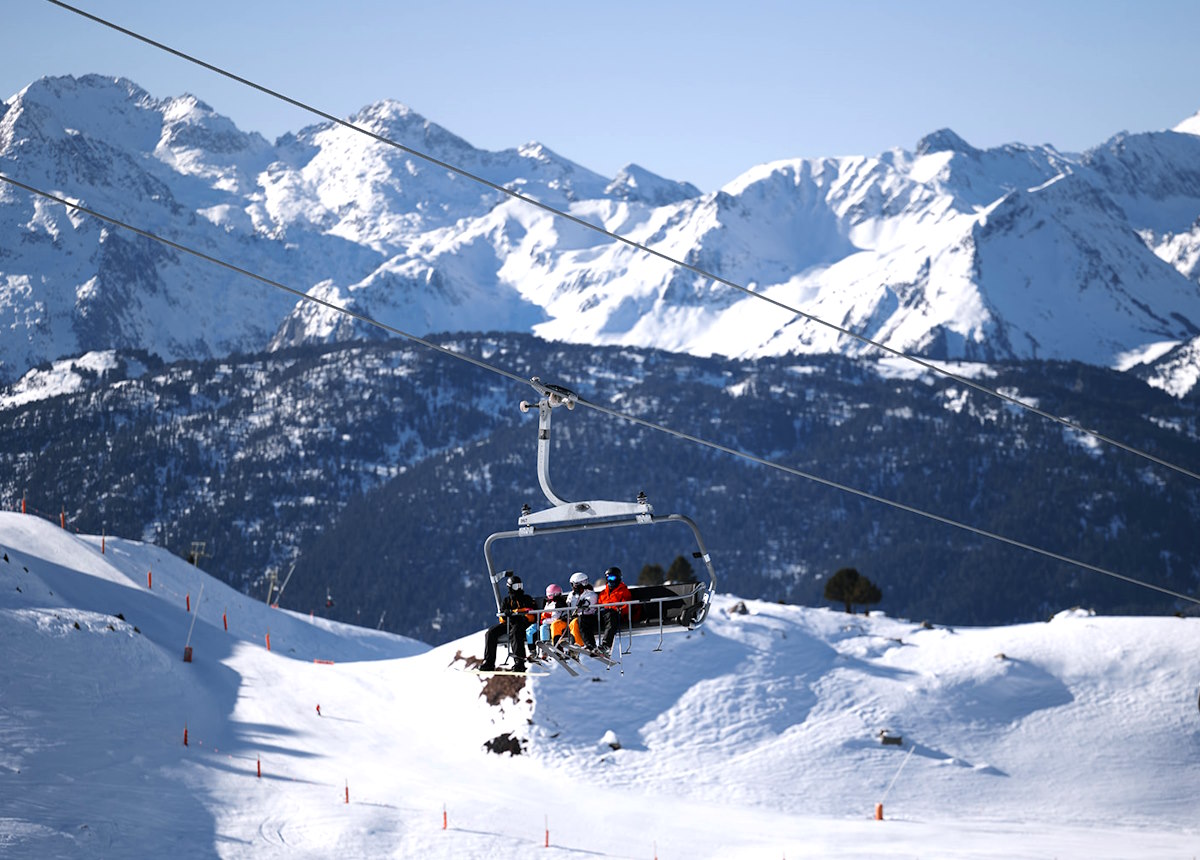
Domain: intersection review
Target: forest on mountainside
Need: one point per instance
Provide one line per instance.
(379, 469)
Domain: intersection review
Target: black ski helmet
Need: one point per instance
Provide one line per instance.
(514, 583)
(613, 574)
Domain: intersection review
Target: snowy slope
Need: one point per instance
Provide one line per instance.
(756, 737)
(1178, 371)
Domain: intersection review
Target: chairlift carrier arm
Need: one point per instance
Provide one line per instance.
(564, 516)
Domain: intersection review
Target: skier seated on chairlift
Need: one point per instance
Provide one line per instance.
(612, 617)
(517, 612)
(581, 608)
(551, 623)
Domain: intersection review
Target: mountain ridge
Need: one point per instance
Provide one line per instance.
(881, 242)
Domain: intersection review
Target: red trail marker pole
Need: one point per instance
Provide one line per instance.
(187, 646)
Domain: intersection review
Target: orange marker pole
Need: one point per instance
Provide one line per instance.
(259, 768)
(268, 640)
(547, 831)
(150, 579)
(879, 812)
(185, 743)
(444, 821)
(225, 620)
(188, 598)
(347, 791)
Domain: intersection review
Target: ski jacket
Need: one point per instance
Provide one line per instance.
(552, 609)
(616, 594)
(514, 603)
(582, 604)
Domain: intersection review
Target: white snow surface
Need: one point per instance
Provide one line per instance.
(758, 736)
(62, 377)
(1178, 371)
(1191, 125)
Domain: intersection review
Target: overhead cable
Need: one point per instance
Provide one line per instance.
(662, 428)
(616, 237)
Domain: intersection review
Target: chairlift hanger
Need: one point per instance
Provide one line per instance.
(664, 608)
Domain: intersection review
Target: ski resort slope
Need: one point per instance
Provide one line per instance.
(757, 737)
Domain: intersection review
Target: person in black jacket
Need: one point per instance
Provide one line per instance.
(516, 614)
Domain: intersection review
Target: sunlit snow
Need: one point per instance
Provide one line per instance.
(758, 736)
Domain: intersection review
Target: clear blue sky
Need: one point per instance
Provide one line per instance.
(699, 90)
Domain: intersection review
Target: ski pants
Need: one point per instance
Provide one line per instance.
(584, 628)
(516, 639)
(610, 625)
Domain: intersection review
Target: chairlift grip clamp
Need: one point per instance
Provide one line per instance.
(555, 395)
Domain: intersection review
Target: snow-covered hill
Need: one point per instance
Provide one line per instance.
(758, 736)
(948, 250)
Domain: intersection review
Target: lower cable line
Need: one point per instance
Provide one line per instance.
(651, 425)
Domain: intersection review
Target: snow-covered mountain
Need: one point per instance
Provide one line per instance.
(760, 735)
(949, 251)
(1178, 371)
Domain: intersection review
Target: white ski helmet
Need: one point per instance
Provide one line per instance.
(579, 578)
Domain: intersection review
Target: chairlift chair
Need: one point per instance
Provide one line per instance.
(661, 608)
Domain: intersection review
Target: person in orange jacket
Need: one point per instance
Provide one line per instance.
(612, 617)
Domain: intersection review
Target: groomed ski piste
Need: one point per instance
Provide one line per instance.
(758, 736)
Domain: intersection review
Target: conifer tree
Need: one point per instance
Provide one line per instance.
(652, 574)
(866, 593)
(681, 570)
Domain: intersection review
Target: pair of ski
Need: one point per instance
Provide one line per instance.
(567, 653)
